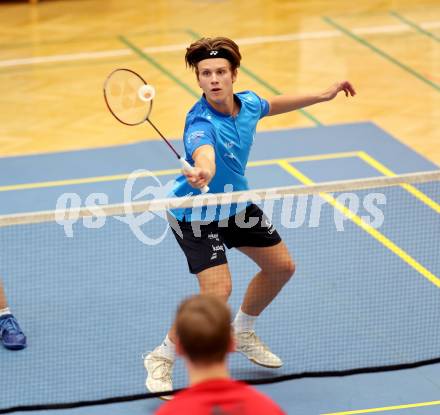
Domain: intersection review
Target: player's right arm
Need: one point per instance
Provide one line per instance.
(199, 142)
(204, 166)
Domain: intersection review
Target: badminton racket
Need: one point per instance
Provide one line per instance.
(130, 100)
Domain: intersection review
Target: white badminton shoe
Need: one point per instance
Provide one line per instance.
(249, 344)
(159, 374)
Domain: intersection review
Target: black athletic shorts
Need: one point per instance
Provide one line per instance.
(206, 249)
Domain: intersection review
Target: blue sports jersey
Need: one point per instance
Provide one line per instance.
(232, 138)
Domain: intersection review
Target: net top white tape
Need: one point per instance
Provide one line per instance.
(258, 195)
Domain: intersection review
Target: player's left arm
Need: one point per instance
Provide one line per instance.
(286, 103)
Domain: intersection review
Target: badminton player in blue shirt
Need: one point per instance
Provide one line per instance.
(219, 132)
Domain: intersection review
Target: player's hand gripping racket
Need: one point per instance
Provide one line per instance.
(130, 99)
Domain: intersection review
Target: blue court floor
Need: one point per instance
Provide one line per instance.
(107, 300)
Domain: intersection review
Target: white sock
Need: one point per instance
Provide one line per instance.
(167, 349)
(244, 322)
(5, 311)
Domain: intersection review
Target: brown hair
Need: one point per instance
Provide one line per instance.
(203, 326)
(199, 49)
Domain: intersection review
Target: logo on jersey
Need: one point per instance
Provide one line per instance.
(195, 136)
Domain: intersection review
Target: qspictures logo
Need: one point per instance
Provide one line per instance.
(69, 207)
(150, 227)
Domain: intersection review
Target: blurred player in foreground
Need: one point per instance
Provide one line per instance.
(204, 338)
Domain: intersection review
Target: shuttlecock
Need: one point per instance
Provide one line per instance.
(146, 93)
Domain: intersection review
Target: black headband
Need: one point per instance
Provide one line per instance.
(212, 54)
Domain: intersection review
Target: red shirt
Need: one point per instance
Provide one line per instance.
(220, 397)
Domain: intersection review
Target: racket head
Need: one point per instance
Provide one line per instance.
(121, 95)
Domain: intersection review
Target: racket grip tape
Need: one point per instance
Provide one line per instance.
(187, 167)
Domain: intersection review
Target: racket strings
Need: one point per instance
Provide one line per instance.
(121, 94)
(130, 99)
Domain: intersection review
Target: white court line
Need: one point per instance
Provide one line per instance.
(397, 28)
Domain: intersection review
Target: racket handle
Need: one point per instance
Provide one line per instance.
(187, 167)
